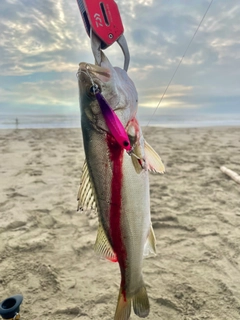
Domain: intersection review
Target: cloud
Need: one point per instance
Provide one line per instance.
(39, 36)
(42, 42)
(42, 93)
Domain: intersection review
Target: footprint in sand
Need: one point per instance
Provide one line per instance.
(36, 149)
(32, 240)
(31, 172)
(38, 181)
(15, 195)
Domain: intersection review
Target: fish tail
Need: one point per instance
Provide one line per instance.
(140, 302)
(141, 305)
(123, 309)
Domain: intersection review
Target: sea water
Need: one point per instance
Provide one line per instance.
(29, 121)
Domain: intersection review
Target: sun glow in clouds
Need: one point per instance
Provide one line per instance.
(146, 2)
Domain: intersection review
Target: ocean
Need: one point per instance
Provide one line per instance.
(27, 121)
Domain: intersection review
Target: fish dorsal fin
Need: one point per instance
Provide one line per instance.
(153, 160)
(150, 245)
(102, 246)
(86, 194)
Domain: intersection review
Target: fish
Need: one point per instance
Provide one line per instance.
(115, 181)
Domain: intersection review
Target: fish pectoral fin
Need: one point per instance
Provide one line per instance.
(141, 305)
(123, 309)
(137, 160)
(150, 245)
(86, 194)
(137, 152)
(102, 246)
(153, 160)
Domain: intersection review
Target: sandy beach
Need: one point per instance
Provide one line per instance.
(46, 246)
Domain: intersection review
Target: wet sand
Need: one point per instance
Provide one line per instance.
(46, 246)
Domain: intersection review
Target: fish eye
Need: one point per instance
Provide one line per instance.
(94, 89)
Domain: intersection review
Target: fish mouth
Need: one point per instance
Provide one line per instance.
(91, 73)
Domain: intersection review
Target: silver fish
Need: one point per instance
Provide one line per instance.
(116, 183)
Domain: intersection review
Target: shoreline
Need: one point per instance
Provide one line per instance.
(143, 127)
(163, 121)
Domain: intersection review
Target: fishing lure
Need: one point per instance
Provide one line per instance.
(113, 123)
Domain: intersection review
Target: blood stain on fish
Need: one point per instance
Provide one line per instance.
(116, 156)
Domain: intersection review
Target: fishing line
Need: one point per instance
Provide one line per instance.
(95, 88)
(189, 44)
(86, 73)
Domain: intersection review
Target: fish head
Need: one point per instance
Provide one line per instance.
(116, 87)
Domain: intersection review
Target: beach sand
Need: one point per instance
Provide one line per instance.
(46, 246)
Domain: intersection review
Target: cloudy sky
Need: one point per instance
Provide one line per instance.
(42, 42)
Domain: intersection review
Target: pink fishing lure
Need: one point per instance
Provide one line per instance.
(113, 123)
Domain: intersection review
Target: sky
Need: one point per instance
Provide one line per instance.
(42, 43)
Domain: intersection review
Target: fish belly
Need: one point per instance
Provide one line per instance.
(135, 222)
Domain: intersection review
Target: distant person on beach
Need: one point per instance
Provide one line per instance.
(16, 123)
